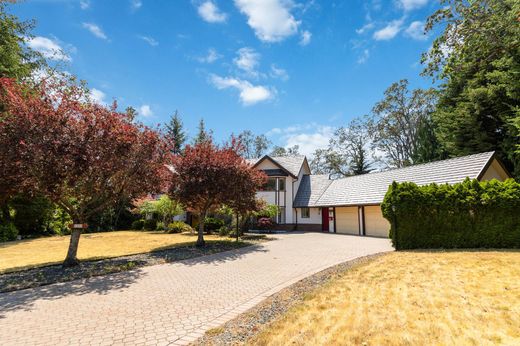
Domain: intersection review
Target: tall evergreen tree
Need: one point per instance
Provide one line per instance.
(203, 135)
(175, 133)
(477, 60)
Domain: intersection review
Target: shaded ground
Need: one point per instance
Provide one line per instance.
(53, 274)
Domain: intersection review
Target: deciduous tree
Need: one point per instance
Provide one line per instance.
(395, 122)
(208, 176)
(81, 155)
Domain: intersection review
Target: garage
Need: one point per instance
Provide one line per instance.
(347, 220)
(375, 224)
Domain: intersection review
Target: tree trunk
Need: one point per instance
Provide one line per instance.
(200, 238)
(71, 259)
(238, 226)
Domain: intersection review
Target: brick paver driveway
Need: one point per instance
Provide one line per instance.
(171, 303)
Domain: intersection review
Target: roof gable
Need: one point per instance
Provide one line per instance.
(290, 164)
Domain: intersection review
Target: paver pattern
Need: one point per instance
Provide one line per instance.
(171, 304)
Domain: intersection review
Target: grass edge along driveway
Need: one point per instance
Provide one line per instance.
(31, 253)
(454, 297)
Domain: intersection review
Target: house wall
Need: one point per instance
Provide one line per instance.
(283, 199)
(495, 171)
(315, 216)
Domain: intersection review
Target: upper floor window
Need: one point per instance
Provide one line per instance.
(275, 184)
(306, 213)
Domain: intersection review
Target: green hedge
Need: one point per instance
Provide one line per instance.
(470, 214)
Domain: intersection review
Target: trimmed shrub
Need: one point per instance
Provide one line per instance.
(212, 224)
(179, 227)
(150, 224)
(138, 225)
(224, 231)
(160, 226)
(470, 214)
(265, 223)
(8, 232)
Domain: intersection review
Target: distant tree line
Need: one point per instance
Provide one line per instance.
(476, 107)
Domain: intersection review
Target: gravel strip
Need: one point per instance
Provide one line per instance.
(47, 275)
(247, 325)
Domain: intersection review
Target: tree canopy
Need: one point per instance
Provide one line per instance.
(81, 155)
(207, 176)
(477, 60)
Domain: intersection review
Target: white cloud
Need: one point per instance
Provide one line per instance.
(84, 4)
(389, 31)
(247, 60)
(150, 40)
(365, 28)
(277, 72)
(136, 4)
(305, 38)
(49, 48)
(145, 111)
(271, 20)
(95, 30)
(211, 13)
(249, 93)
(308, 137)
(408, 5)
(416, 31)
(211, 57)
(98, 96)
(363, 57)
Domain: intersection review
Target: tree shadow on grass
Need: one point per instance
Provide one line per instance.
(24, 299)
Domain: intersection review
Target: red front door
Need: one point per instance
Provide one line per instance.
(325, 219)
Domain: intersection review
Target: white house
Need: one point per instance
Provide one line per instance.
(351, 205)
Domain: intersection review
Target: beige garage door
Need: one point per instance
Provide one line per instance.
(375, 224)
(347, 220)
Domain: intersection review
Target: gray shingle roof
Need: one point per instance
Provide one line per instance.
(292, 164)
(371, 188)
(310, 190)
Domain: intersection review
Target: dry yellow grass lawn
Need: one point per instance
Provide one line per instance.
(43, 251)
(411, 298)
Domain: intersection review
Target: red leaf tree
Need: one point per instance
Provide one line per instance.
(207, 176)
(81, 155)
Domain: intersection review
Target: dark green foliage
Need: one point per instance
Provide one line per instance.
(470, 214)
(138, 225)
(175, 134)
(212, 224)
(477, 60)
(16, 59)
(8, 232)
(33, 215)
(150, 225)
(179, 227)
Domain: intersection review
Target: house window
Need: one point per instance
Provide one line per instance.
(306, 213)
(275, 184)
(281, 215)
(281, 184)
(270, 185)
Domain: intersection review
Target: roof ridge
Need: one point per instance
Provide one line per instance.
(417, 165)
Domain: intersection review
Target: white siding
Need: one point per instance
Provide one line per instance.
(315, 216)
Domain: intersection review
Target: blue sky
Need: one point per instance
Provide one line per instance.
(294, 70)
